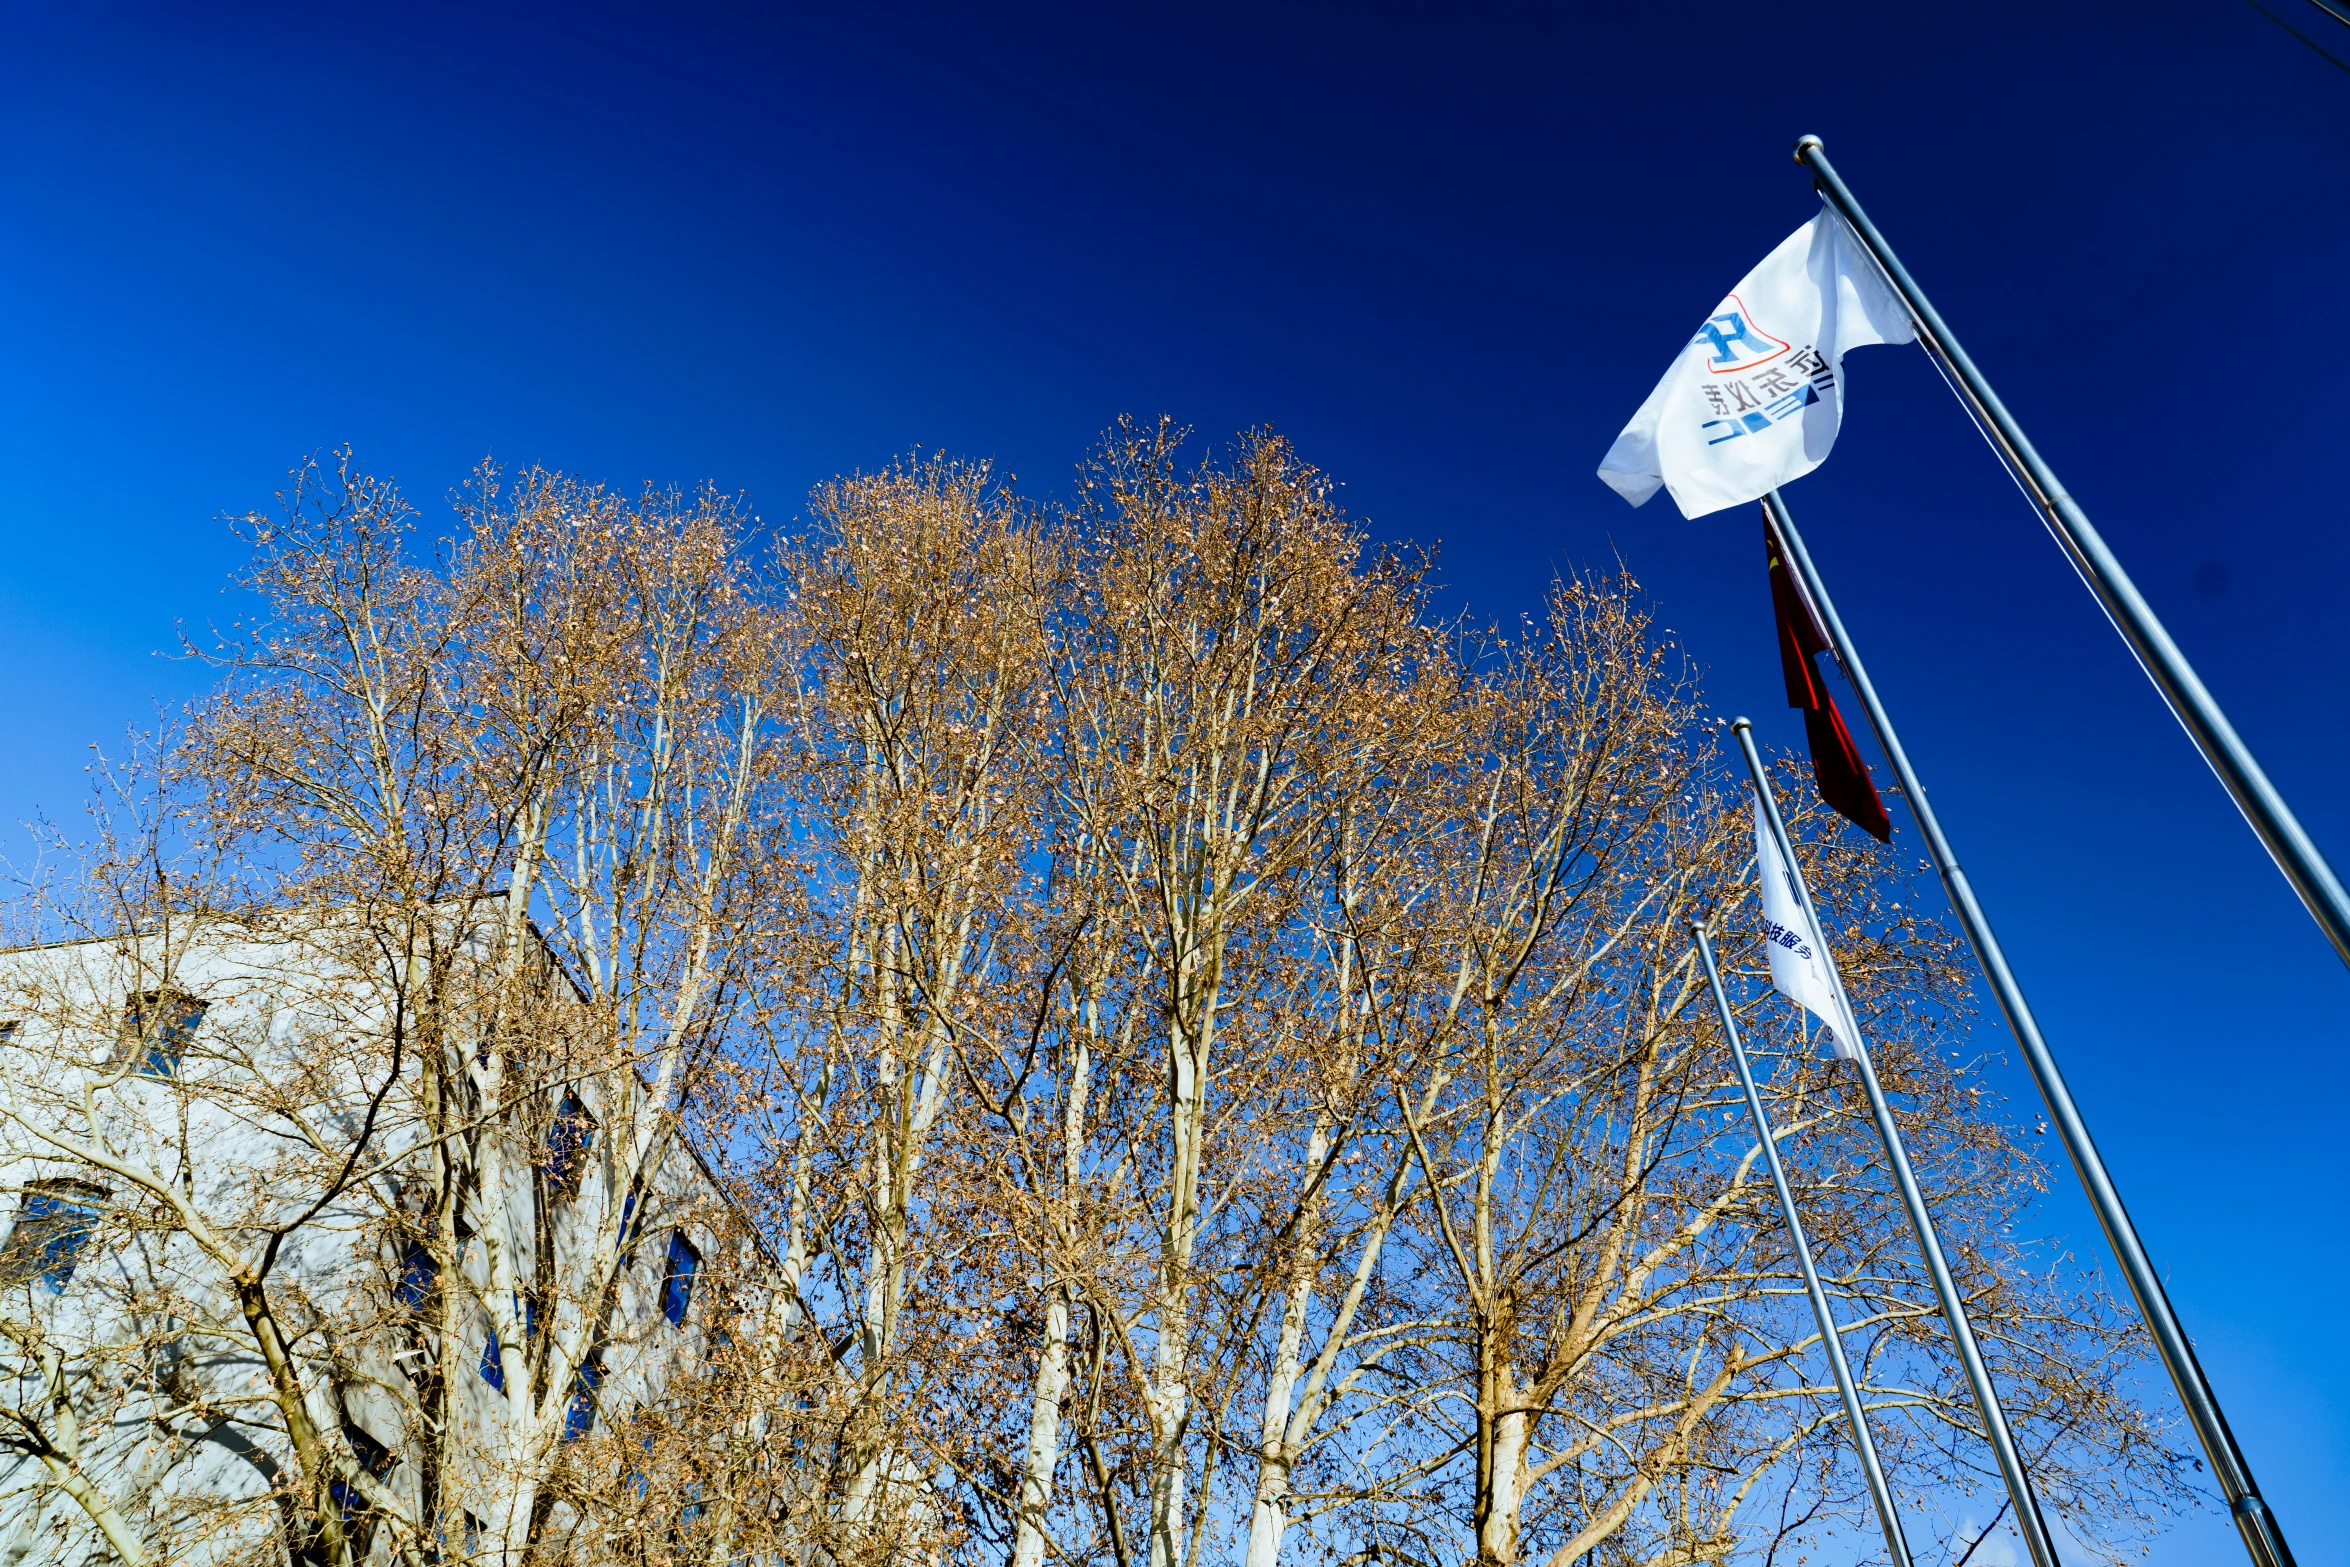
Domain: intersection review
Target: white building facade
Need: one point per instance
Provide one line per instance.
(295, 1272)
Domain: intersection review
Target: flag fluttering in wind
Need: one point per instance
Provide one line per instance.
(1835, 762)
(1799, 958)
(1755, 400)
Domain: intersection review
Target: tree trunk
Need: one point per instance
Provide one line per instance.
(1168, 1398)
(1170, 1415)
(1501, 1490)
(1044, 1432)
(1052, 1369)
(1269, 1519)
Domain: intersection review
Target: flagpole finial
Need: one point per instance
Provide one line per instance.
(1738, 725)
(1808, 144)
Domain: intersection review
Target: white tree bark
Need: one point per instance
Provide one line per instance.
(1167, 1397)
(1052, 1369)
(1269, 1517)
(1044, 1431)
(58, 1448)
(1497, 1533)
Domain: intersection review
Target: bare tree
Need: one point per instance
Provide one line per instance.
(913, 651)
(1109, 1033)
(481, 857)
(1225, 674)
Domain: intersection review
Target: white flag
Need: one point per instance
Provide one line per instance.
(1799, 958)
(1754, 401)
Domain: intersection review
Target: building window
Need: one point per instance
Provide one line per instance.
(677, 1286)
(52, 1228)
(156, 1028)
(373, 1457)
(493, 1354)
(579, 1417)
(569, 1137)
(689, 1516)
(636, 1481)
(419, 1272)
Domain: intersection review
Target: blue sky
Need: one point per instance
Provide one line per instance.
(1447, 252)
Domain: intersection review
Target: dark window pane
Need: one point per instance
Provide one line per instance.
(493, 1354)
(373, 1457)
(580, 1417)
(418, 1273)
(677, 1288)
(377, 1459)
(569, 1137)
(690, 1515)
(52, 1228)
(159, 1024)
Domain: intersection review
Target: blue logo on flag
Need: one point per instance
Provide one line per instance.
(1752, 406)
(1737, 343)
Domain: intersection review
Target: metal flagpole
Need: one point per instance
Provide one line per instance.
(1962, 1333)
(2265, 809)
(2262, 1538)
(1854, 1415)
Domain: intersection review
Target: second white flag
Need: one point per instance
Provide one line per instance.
(1799, 958)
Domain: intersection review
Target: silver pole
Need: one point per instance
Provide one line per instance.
(2262, 1538)
(1855, 1415)
(2279, 830)
(1962, 1333)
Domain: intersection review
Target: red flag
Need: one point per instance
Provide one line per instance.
(1835, 761)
